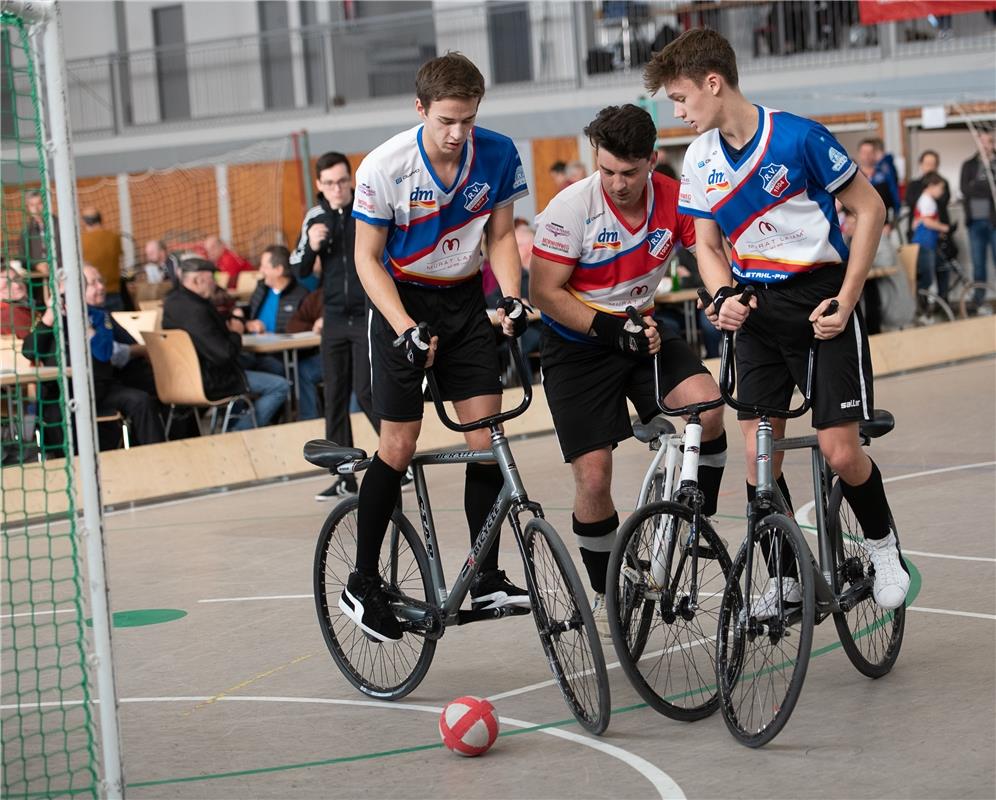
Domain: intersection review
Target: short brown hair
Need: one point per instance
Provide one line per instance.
(693, 55)
(452, 75)
(627, 132)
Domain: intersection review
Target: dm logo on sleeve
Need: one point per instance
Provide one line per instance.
(660, 242)
(476, 195)
(775, 179)
(837, 159)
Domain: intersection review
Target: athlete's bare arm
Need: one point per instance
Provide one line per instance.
(380, 288)
(503, 252)
(869, 212)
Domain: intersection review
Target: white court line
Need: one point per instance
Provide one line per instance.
(804, 514)
(39, 613)
(952, 613)
(259, 597)
(665, 785)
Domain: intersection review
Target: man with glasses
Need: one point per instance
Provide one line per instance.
(327, 236)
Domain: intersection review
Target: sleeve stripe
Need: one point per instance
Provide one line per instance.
(843, 179)
(694, 212)
(554, 256)
(371, 220)
(517, 196)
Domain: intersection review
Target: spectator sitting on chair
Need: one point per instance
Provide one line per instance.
(219, 344)
(16, 314)
(121, 380)
(310, 316)
(225, 260)
(102, 249)
(160, 264)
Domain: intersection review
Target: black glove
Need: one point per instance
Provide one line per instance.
(620, 333)
(721, 294)
(415, 340)
(516, 310)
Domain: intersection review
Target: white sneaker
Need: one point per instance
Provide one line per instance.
(766, 606)
(891, 580)
(601, 615)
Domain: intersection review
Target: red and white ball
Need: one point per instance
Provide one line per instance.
(469, 726)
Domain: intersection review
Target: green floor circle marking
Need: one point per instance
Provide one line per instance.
(138, 617)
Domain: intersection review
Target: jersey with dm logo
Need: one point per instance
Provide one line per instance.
(615, 265)
(775, 204)
(434, 231)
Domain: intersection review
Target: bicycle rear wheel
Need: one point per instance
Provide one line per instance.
(385, 670)
(650, 604)
(761, 663)
(566, 626)
(870, 635)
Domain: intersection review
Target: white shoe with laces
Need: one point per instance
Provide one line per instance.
(601, 615)
(766, 606)
(892, 581)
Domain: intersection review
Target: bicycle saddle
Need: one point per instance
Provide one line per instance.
(647, 432)
(881, 423)
(329, 455)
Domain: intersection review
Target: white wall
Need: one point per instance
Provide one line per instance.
(466, 32)
(88, 29)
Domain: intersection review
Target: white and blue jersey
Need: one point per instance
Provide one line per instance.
(775, 202)
(435, 231)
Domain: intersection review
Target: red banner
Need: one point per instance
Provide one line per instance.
(873, 11)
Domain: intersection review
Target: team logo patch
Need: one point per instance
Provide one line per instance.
(476, 195)
(520, 178)
(775, 179)
(607, 240)
(660, 242)
(716, 182)
(422, 198)
(837, 159)
(555, 229)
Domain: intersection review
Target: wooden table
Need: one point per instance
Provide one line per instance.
(288, 345)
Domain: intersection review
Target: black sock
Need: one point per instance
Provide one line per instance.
(870, 506)
(784, 487)
(712, 462)
(789, 568)
(600, 536)
(484, 482)
(378, 497)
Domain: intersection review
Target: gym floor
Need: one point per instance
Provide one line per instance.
(240, 698)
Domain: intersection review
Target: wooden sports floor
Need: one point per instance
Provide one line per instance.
(239, 698)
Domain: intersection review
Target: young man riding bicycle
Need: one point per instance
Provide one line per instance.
(766, 180)
(424, 201)
(603, 244)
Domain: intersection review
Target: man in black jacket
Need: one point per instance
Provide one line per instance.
(327, 234)
(219, 344)
(980, 208)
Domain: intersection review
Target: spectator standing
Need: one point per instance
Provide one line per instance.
(880, 170)
(219, 344)
(558, 173)
(929, 162)
(102, 249)
(225, 260)
(977, 174)
(327, 234)
(32, 243)
(927, 230)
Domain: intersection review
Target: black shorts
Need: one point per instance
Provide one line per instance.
(466, 363)
(587, 385)
(773, 352)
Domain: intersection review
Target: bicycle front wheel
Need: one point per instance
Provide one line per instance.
(566, 626)
(765, 635)
(870, 635)
(660, 597)
(385, 670)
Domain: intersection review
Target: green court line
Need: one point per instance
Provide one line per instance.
(916, 581)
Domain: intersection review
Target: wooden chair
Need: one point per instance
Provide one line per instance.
(108, 416)
(150, 305)
(142, 291)
(137, 321)
(907, 260)
(245, 283)
(178, 377)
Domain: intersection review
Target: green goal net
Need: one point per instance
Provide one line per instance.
(49, 734)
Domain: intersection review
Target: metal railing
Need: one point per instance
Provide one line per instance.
(521, 47)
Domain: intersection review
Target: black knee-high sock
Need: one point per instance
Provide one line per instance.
(484, 482)
(595, 540)
(870, 506)
(789, 568)
(712, 462)
(378, 496)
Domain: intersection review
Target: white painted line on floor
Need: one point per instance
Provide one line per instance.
(259, 597)
(952, 613)
(39, 613)
(665, 785)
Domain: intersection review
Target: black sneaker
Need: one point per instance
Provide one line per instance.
(344, 486)
(492, 589)
(364, 602)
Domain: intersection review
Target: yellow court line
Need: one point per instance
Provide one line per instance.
(248, 682)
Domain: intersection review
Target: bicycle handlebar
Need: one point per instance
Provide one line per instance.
(728, 377)
(485, 422)
(691, 408)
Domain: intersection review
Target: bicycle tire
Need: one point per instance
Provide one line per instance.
(966, 300)
(566, 626)
(678, 678)
(870, 635)
(742, 660)
(384, 670)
